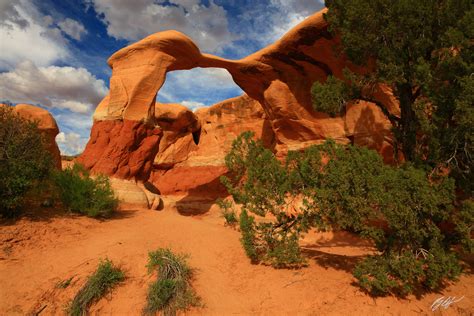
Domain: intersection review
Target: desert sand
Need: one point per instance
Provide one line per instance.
(48, 246)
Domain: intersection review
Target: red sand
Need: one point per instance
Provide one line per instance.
(39, 251)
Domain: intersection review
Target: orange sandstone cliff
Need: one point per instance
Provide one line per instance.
(181, 152)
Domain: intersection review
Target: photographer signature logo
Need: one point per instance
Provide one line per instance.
(444, 302)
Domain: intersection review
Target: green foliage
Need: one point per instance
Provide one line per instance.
(228, 212)
(100, 283)
(331, 96)
(423, 51)
(404, 273)
(330, 186)
(261, 184)
(172, 290)
(24, 160)
(463, 226)
(82, 194)
(248, 240)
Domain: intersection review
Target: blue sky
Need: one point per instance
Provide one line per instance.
(53, 53)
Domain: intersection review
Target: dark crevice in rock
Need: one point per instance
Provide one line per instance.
(303, 57)
(197, 136)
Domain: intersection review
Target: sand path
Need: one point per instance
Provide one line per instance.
(38, 252)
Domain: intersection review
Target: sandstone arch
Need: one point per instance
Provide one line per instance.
(126, 135)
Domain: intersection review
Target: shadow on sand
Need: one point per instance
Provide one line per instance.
(33, 211)
(200, 199)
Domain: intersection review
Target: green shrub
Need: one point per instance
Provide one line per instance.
(172, 290)
(261, 184)
(24, 160)
(247, 229)
(228, 212)
(401, 209)
(82, 194)
(100, 283)
(401, 274)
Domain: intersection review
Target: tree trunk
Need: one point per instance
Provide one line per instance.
(408, 122)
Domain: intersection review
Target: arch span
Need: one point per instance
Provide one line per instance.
(277, 104)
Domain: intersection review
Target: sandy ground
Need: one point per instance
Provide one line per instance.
(39, 251)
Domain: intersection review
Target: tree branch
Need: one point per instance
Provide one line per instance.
(392, 118)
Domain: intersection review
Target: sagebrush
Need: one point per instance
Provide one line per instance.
(81, 193)
(106, 276)
(172, 290)
(228, 212)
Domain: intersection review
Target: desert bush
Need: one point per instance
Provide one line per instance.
(172, 290)
(261, 184)
(82, 194)
(401, 209)
(248, 239)
(24, 160)
(228, 212)
(106, 276)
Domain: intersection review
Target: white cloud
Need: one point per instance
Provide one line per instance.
(290, 13)
(198, 87)
(202, 79)
(71, 143)
(133, 20)
(25, 34)
(192, 105)
(71, 122)
(70, 88)
(265, 22)
(10, 16)
(72, 28)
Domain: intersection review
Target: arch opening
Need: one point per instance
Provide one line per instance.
(198, 87)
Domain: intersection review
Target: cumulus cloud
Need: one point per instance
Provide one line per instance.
(10, 16)
(25, 34)
(133, 20)
(290, 13)
(72, 28)
(264, 22)
(70, 88)
(70, 143)
(198, 87)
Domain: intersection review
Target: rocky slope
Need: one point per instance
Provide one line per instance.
(182, 152)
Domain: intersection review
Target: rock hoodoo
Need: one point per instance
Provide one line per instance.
(46, 124)
(182, 152)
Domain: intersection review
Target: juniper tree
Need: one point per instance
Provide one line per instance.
(423, 50)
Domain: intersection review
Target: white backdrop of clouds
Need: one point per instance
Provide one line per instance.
(70, 88)
(30, 43)
(133, 20)
(25, 34)
(71, 143)
(198, 87)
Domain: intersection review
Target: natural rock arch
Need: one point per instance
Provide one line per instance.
(277, 80)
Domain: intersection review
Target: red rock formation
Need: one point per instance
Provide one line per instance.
(194, 163)
(46, 124)
(123, 149)
(277, 106)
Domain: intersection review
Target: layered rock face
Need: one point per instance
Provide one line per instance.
(46, 124)
(183, 152)
(192, 162)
